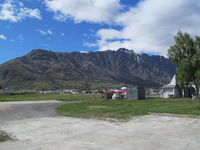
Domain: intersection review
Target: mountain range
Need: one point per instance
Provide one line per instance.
(48, 70)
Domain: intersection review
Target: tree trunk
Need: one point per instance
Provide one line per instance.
(197, 91)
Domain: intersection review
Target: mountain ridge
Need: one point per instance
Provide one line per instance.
(43, 69)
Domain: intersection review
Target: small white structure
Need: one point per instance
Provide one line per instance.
(170, 89)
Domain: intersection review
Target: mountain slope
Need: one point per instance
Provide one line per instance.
(41, 69)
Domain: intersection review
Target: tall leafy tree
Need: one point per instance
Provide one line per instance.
(197, 60)
(185, 53)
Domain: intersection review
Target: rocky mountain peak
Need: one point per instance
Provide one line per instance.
(43, 69)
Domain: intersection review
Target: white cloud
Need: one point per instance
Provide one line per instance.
(3, 37)
(151, 25)
(15, 11)
(48, 32)
(107, 34)
(97, 11)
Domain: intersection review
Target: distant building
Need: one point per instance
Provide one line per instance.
(172, 90)
(70, 91)
(135, 93)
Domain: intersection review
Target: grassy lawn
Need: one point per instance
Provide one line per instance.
(122, 109)
(4, 137)
(65, 97)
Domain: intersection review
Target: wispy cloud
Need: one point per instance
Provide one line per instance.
(90, 44)
(15, 11)
(20, 37)
(3, 37)
(47, 32)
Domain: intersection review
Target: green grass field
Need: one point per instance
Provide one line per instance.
(36, 97)
(122, 109)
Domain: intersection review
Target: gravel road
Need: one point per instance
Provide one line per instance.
(36, 126)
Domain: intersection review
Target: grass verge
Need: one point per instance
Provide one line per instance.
(122, 109)
(4, 137)
(64, 97)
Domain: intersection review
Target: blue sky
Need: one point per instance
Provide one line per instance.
(90, 25)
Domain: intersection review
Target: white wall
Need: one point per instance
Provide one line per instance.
(167, 92)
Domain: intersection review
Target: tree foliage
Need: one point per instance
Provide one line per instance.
(185, 53)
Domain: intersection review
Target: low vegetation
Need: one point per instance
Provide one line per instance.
(64, 97)
(4, 137)
(122, 109)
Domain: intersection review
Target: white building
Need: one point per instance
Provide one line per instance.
(172, 90)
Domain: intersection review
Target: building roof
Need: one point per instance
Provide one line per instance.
(172, 82)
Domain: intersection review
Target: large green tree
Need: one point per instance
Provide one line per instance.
(185, 53)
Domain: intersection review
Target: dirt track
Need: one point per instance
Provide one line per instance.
(36, 126)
